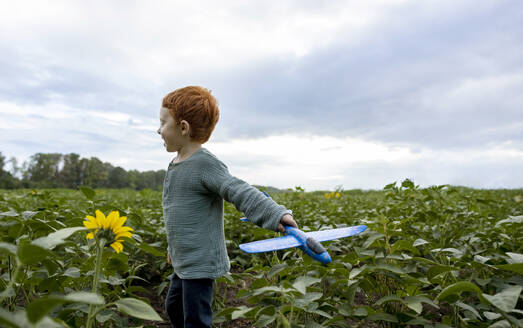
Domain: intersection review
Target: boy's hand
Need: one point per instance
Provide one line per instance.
(169, 258)
(286, 220)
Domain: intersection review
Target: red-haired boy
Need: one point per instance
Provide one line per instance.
(196, 183)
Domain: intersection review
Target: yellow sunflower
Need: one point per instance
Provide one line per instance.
(111, 226)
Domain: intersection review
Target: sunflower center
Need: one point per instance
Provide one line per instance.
(107, 234)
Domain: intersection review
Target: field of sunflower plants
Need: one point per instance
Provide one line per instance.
(431, 257)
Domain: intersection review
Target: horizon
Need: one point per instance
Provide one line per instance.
(268, 188)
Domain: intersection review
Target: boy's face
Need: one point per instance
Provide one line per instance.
(173, 136)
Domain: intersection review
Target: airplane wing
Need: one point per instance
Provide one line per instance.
(273, 244)
(331, 234)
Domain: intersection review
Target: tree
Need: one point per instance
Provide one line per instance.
(15, 169)
(118, 178)
(43, 170)
(7, 180)
(71, 173)
(95, 172)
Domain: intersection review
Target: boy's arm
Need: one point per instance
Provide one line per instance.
(258, 208)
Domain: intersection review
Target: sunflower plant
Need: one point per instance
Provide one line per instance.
(104, 230)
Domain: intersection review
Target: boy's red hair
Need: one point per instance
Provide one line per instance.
(195, 105)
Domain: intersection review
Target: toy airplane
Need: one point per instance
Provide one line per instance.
(306, 241)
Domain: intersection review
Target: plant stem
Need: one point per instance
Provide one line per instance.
(11, 281)
(99, 252)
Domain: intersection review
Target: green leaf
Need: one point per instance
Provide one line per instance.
(514, 267)
(267, 289)
(312, 324)
(491, 315)
(505, 300)
(306, 299)
(18, 319)
(481, 259)
(30, 254)
(390, 186)
(421, 299)
(515, 257)
(457, 288)
(404, 245)
(407, 183)
(151, 250)
(469, 308)
(360, 312)
(138, 309)
(436, 270)
(37, 309)
(373, 236)
(501, 324)
(242, 312)
(276, 269)
(356, 271)
(412, 302)
(389, 298)
(264, 320)
(387, 267)
(9, 213)
(303, 282)
(382, 317)
(8, 248)
(455, 252)
(88, 192)
(419, 242)
(56, 238)
(414, 305)
(26, 215)
(11, 319)
(511, 219)
(320, 312)
(418, 321)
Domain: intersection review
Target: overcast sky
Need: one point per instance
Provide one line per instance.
(314, 93)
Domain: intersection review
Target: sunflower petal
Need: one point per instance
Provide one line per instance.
(124, 234)
(116, 247)
(90, 235)
(89, 224)
(122, 229)
(119, 244)
(116, 221)
(91, 219)
(100, 218)
(122, 221)
(111, 218)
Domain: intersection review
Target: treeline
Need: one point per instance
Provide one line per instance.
(55, 170)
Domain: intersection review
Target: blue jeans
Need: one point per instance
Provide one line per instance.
(189, 301)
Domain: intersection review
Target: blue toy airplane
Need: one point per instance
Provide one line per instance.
(306, 241)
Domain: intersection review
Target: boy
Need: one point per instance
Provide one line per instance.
(196, 183)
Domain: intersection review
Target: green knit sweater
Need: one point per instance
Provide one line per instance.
(193, 194)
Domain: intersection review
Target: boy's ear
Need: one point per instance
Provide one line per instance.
(186, 127)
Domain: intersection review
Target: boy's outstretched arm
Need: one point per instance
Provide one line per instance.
(258, 208)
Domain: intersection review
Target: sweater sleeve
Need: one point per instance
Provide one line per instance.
(258, 208)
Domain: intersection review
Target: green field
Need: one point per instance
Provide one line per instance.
(431, 257)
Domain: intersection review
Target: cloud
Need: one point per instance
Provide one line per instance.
(441, 84)
(414, 84)
(289, 160)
